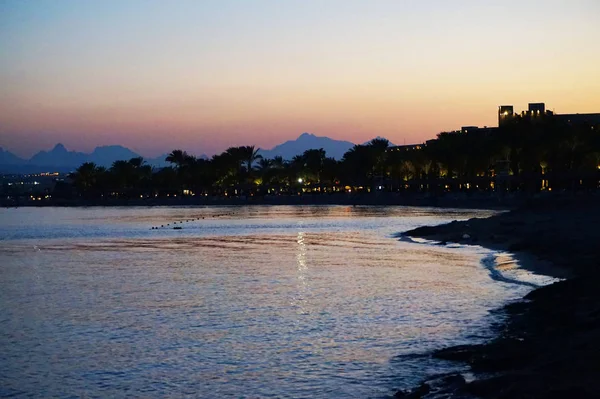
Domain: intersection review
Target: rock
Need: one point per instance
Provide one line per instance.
(441, 386)
(453, 381)
(448, 385)
(416, 393)
(548, 347)
(462, 353)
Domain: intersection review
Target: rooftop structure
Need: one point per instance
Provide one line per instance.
(505, 113)
(538, 110)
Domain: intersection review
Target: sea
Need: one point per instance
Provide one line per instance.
(239, 302)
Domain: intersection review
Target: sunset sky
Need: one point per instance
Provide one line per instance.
(205, 75)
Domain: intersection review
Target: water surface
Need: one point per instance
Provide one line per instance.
(245, 302)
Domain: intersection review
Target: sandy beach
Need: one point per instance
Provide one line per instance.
(549, 347)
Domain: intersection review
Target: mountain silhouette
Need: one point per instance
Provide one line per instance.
(308, 141)
(8, 158)
(106, 155)
(60, 159)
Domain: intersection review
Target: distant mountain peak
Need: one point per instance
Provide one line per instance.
(308, 141)
(59, 148)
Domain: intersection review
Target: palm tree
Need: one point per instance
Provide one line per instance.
(407, 170)
(185, 165)
(249, 155)
(379, 144)
(313, 161)
(226, 167)
(358, 165)
(178, 157)
(264, 165)
(136, 162)
(330, 171)
(278, 173)
(165, 181)
(141, 174)
(278, 162)
(122, 176)
(87, 178)
(201, 175)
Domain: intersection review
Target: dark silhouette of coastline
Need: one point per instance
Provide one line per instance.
(549, 347)
(528, 154)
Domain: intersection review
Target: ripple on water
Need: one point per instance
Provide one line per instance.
(261, 302)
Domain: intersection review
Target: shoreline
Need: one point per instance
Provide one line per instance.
(447, 200)
(525, 260)
(548, 347)
(462, 202)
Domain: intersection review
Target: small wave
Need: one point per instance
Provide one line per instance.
(489, 262)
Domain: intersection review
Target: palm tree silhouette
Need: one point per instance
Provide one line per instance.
(249, 154)
(86, 178)
(178, 157)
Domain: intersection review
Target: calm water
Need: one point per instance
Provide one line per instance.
(249, 302)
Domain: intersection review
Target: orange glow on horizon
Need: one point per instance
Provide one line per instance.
(263, 75)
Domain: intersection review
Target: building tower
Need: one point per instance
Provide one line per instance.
(537, 109)
(505, 114)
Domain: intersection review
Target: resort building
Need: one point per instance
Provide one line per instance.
(577, 119)
(538, 110)
(405, 148)
(480, 131)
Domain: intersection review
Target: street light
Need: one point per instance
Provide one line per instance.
(300, 180)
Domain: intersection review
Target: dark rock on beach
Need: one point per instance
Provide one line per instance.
(417, 393)
(550, 346)
(441, 386)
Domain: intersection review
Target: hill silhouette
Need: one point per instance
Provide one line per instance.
(308, 141)
(8, 158)
(60, 159)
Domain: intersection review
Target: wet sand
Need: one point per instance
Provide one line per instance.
(550, 345)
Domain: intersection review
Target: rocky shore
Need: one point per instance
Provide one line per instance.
(550, 346)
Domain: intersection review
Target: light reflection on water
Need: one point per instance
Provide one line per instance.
(249, 302)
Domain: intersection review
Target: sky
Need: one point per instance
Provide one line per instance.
(203, 75)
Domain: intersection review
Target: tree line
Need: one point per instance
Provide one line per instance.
(525, 154)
